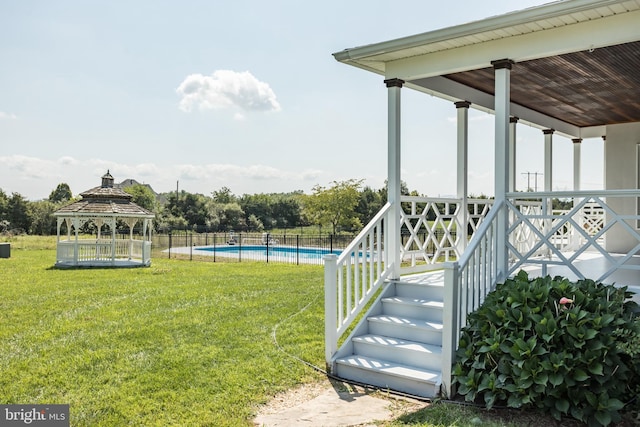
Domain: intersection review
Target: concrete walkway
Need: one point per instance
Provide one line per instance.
(333, 404)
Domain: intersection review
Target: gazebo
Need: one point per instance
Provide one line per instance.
(108, 206)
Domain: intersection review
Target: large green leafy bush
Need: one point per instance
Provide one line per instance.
(568, 348)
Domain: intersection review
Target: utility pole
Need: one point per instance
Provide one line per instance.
(529, 179)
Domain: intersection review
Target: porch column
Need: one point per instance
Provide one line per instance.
(513, 121)
(577, 160)
(547, 208)
(393, 174)
(502, 70)
(577, 154)
(548, 159)
(462, 191)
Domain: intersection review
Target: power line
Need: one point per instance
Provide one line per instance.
(535, 174)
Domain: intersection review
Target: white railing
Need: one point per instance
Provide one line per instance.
(102, 251)
(466, 284)
(435, 230)
(542, 238)
(596, 224)
(352, 279)
(590, 218)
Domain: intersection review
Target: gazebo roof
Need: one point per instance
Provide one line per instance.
(105, 200)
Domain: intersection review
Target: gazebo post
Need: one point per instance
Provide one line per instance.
(75, 246)
(113, 240)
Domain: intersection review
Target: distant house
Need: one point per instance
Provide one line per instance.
(569, 68)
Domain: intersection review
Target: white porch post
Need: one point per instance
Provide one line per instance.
(502, 69)
(547, 208)
(393, 173)
(548, 159)
(513, 121)
(577, 160)
(462, 191)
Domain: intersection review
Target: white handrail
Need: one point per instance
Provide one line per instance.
(353, 278)
(466, 284)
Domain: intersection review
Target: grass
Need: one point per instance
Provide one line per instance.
(179, 343)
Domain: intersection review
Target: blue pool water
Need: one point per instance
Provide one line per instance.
(260, 251)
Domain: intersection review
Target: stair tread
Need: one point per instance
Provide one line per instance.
(435, 278)
(414, 301)
(406, 321)
(390, 368)
(382, 340)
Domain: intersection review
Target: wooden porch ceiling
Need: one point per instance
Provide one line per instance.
(588, 88)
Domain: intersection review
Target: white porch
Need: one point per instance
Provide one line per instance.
(557, 67)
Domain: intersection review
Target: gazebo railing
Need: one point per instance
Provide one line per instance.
(102, 250)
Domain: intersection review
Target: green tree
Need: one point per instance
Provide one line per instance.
(42, 220)
(18, 213)
(4, 206)
(260, 206)
(229, 216)
(287, 210)
(369, 203)
(193, 208)
(254, 224)
(224, 195)
(61, 194)
(4, 212)
(335, 205)
(143, 196)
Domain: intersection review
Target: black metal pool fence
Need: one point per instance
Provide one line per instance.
(263, 247)
(239, 247)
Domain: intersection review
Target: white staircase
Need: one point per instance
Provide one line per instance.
(398, 344)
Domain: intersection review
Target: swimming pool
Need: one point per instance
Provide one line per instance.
(275, 253)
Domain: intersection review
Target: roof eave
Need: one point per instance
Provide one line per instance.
(545, 11)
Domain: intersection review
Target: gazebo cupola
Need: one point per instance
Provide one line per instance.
(104, 207)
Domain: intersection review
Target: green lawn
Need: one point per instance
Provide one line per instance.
(179, 343)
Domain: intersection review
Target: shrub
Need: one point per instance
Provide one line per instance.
(566, 348)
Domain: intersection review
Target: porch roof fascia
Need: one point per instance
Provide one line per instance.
(373, 57)
(538, 32)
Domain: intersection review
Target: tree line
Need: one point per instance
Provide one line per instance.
(342, 206)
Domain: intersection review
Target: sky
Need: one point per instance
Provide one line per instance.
(201, 95)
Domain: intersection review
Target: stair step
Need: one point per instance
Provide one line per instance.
(431, 289)
(407, 328)
(406, 352)
(414, 301)
(413, 307)
(395, 376)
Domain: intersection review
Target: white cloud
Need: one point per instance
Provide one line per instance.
(35, 177)
(67, 161)
(226, 171)
(7, 116)
(227, 89)
(28, 167)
